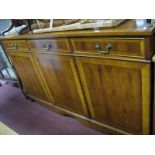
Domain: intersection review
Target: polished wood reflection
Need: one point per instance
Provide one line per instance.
(68, 73)
(58, 45)
(62, 80)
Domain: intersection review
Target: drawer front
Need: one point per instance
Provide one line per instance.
(56, 45)
(114, 46)
(15, 45)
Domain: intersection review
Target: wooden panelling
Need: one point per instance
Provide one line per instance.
(119, 46)
(62, 80)
(102, 77)
(53, 45)
(29, 74)
(15, 45)
(118, 92)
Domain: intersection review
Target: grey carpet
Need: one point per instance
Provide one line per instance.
(31, 118)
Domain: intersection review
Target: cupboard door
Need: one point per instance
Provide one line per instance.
(118, 92)
(62, 79)
(29, 74)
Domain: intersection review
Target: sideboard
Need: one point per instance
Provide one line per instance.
(104, 78)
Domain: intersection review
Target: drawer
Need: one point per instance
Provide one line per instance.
(113, 46)
(53, 45)
(15, 45)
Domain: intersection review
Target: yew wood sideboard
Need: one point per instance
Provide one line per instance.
(104, 78)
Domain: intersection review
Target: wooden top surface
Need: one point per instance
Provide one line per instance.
(128, 28)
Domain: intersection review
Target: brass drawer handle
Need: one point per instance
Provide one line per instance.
(47, 47)
(153, 58)
(14, 46)
(103, 50)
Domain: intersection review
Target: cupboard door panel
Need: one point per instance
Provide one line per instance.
(117, 92)
(62, 80)
(29, 74)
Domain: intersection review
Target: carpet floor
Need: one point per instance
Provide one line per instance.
(31, 118)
